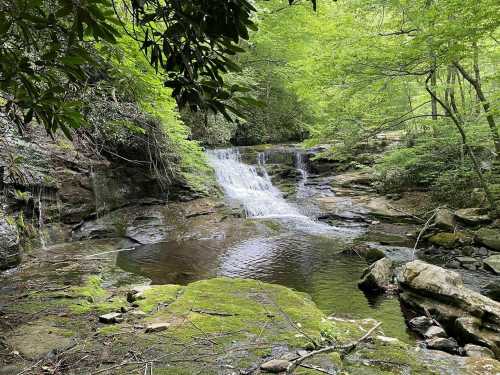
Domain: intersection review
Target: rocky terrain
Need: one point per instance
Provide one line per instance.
(92, 317)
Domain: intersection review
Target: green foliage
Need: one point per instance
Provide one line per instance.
(137, 82)
(44, 58)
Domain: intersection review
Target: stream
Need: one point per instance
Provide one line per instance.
(302, 253)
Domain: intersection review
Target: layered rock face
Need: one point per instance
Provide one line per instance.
(47, 183)
(467, 315)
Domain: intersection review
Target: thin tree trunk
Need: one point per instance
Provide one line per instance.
(433, 100)
(459, 126)
(485, 104)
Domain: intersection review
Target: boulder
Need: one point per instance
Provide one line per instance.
(420, 324)
(378, 277)
(448, 240)
(473, 216)
(445, 219)
(493, 263)
(10, 252)
(434, 332)
(474, 318)
(489, 238)
(477, 351)
(444, 344)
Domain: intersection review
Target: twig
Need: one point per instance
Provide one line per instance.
(317, 368)
(212, 312)
(405, 212)
(426, 225)
(346, 348)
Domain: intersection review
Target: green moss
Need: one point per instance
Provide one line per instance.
(158, 294)
(394, 355)
(109, 330)
(447, 240)
(92, 289)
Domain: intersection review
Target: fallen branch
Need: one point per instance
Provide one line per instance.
(345, 348)
(426, 225)
(213, 312)
(405, 212)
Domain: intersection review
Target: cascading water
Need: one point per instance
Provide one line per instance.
(249, 186)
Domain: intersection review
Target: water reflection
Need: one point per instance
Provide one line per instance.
(305, 262)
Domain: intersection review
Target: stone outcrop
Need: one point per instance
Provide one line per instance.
(470, 316)
(10, 252)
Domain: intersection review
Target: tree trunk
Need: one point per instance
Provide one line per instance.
(459, 125)
(486, 105)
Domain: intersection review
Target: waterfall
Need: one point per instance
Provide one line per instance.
(250, 186)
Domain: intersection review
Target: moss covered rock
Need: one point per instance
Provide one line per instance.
(448, 240)
(489, 238)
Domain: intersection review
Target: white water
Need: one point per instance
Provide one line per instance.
(244, 184)
(251, 187)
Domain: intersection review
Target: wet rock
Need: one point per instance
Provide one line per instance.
(477, 351)
(444, 219)
(390, 234)
(378, 277)
(492, 290)
(468, 262)
(493, 263)
(10, 252)
(434, 332)
(157, 327)
(448, 240)
(420, 324)
(489, 237)
(473, 216)
(275, 366)
(444, 344)
(111, 318)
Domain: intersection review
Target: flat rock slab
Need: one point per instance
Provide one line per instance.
(157, 327)
(111, 318)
